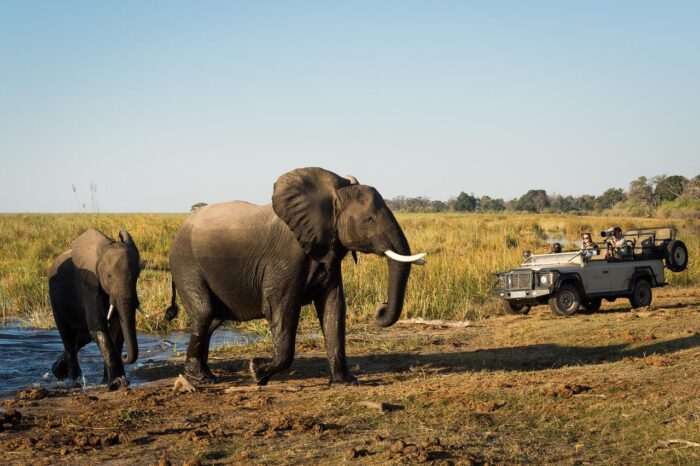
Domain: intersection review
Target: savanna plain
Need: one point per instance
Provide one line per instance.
(618, 386)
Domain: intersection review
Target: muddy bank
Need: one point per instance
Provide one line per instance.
(615, 386)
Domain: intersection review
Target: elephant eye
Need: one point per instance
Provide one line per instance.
(369, 220)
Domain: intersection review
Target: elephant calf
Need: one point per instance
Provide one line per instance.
(92, 288)
(239, 261)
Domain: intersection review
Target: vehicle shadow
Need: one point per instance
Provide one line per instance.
(516, 358)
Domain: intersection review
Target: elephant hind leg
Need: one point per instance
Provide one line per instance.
(198, 367)
(60, 367)
(198, 302)
(66, 365)
(283, 332)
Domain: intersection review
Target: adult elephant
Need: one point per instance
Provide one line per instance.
(92, 288)
(239, 261)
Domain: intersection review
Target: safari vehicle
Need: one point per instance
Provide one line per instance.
(569, 281)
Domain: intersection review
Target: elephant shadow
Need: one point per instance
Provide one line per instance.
(516, 358)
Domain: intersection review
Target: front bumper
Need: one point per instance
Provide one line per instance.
(521, 294)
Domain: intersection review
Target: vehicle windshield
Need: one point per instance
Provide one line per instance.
(553, 259)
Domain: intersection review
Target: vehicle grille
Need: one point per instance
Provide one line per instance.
(518, 281)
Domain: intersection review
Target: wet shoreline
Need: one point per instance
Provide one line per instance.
(28, 354)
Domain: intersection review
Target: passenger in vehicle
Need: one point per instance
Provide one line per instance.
(555, 248)
(617, 245)
(588, 247)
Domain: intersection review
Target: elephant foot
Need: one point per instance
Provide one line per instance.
(195, 371)
(62, 370)
(119, 382)
(259, 375)
(344, 378)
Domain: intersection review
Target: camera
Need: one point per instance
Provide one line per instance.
(607, 233)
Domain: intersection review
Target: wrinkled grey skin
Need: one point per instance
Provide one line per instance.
(239, 261)
(83, 282)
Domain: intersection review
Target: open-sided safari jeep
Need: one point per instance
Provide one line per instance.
(568, 281)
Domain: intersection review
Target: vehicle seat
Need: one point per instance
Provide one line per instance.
(645, 246)
(662, 235)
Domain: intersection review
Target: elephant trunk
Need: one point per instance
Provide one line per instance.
(388, 313)
(127, 319)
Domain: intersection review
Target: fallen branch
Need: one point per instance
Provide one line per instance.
(681, 442)
(381, 407)
(687, 416)
(436, 322)
(261, 388)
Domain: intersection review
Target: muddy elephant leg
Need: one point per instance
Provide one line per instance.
(283, 331)
(115, 333)
(207, 344)
(66, 365)
(330, 308)
(99, 333)
(196, 365)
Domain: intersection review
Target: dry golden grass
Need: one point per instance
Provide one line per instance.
(464, 250)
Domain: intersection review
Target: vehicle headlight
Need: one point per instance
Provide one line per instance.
(543, 279)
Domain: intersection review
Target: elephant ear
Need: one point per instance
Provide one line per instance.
(86, 253)
(306, 200)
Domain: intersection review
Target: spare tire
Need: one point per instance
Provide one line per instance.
(676, 256)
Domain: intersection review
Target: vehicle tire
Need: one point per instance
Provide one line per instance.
(566, 301)
(676, 256)
(515, 308)
(593, 304)
(641, 296)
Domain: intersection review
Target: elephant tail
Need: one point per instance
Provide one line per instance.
(171, 312)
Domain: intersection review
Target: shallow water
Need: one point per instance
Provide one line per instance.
(26, 355)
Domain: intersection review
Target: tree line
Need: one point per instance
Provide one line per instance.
(642, 197)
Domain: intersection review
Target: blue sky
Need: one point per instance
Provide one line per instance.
(164, 104)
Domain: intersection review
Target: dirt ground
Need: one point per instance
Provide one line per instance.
(615, 387)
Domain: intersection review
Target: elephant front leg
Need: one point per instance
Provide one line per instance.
(115, 333)
(283, 331)
(330, 308)
(114, 367)
(97, 327)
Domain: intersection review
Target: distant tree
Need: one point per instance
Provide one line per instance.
(609, 198)
(584, 203)
(197, 206)
(641, 192)
(691, 190)
(535, 200)
(558, 203)
(487, 204)
(668, 188)
(465, 203)
(438, 206)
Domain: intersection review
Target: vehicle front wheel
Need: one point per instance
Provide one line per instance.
(566, 301)
(641, 296)
(515, 308)
(593, 305)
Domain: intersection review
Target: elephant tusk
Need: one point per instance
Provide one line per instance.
(111, 310)
(416, 258)
(143, 312)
